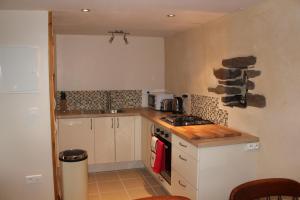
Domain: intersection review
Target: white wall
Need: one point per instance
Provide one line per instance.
(25, 143)
(90, 62)
(270, 31)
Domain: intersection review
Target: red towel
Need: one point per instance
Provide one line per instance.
(159, 163)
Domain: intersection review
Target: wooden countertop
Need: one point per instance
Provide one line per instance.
(200, 135)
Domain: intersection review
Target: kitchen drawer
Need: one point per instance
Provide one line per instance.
(185, 165)
(185, 146)
(181, 187)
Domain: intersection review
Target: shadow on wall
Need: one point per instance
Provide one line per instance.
(234, 83)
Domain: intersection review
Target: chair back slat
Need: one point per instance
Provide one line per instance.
(266, 188)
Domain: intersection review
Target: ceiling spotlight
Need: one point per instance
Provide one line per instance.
(118, 32)
(125, 38)
(85, 10)
(171, 15)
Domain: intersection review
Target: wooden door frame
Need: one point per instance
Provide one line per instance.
(51, 47)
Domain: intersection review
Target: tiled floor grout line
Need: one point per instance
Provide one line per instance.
(98, 189)
(139, 175)
(128, 195)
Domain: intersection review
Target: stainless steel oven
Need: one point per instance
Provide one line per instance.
(166, 138)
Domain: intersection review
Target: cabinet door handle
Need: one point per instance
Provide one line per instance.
(91, 124)
(181, 184)
(118, 122)
(183, 145)
(182, 158)
(112, 122)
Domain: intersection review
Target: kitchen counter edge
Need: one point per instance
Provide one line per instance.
(155, 116)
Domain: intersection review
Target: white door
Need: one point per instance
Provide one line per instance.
(124, 132)
(144, 140)
(76, 134)
(149, 131)
(104, 140)
(147, 128)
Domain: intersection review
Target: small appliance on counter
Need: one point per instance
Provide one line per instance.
(177, 105)
(63, 101)
(155, 99)
(166, 105)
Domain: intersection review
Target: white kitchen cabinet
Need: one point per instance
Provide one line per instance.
(124, 138)
(104, 140)
(114, 139)
(147, 129)
(180, 186)
(77, 134)
(199, 172)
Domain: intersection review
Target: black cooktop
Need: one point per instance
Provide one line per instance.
(185, 120)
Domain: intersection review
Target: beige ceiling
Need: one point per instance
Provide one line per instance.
(139, 17)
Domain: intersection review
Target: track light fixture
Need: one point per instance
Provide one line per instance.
(125, 38)
(118, 32)
(111, 39)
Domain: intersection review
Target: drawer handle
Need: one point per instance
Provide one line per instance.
(183, 145)
(182, 185)
(182, 158)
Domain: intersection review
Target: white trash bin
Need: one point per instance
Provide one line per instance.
(74, 174)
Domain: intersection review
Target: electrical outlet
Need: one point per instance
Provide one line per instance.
(252, 146)
(33, 178)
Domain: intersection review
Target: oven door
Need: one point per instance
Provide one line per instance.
(166, 172)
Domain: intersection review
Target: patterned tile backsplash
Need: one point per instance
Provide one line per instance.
(202, 106)
(208, 108)
(98, 99)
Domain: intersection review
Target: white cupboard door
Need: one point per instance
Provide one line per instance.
(147, 128)
(124, 130)
(144, 141)
(150, 130)
(104, 140)
(77, 134)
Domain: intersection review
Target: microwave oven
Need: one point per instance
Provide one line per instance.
(155, 99)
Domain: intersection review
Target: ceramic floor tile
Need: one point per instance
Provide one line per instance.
(140, 193)
(120, 195)
(94, 197)
(91, 178)
(159, 190)
(92, 188)
(110, 186)
(135, 183)
(126, 174)
(107, 176)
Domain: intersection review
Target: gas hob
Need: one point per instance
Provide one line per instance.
(185, 120)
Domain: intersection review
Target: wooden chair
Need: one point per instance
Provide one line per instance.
(267, 188)
(165, 198)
